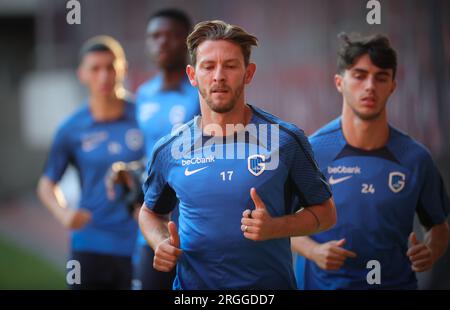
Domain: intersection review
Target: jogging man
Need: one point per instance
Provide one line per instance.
(103, 131)
(236, 172)
(380, 178)
(163, 103)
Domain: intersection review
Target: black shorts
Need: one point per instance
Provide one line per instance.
(145, 277)
(102, 271)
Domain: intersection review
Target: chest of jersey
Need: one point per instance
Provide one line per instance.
(371, 189)
(210, 182)
(160, 113)
(213, 193)
(101, 145)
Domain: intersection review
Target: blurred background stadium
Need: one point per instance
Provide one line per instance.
(294, 80)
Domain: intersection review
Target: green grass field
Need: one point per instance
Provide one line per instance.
(21, 269)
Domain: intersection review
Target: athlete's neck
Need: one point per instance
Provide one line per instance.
(106, 108)
(171, 78)
(364, 134)
(241, 114)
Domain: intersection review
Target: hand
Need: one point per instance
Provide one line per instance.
(168, 250)
(117, 174)
(331, 255)
(75, 218)
(419, 254)
(257, 224)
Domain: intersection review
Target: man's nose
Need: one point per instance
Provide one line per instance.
(370, 83)
(219, 74)
(162, 41)
(104, 75)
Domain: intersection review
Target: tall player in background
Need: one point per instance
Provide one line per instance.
(163, 103)
(380, 178)
(104, 130)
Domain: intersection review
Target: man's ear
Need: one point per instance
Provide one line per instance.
(394, 86)
(81, 75)
(249, 73)
(338, 82)
(190, 71)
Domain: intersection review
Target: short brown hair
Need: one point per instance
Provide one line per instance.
(219, 30)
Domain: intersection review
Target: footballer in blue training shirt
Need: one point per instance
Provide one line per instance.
(103, 131)
(380, 177)
(163, 103)
(236, 211)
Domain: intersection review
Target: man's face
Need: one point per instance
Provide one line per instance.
(98, 72)
(366, 88)
(166, 41)
(220, 74)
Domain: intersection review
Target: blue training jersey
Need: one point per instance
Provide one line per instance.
(212, 178)
(160, 111)
(92, 147)
(377, 194)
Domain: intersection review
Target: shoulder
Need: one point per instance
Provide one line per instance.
(162, 148)
(329, 131)
(289, 132)
(76, 120)
(407, 149)
(149, 87)
(292, 141)
(328, 140)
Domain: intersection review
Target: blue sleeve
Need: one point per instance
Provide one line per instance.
(59, 156)
(310, 184)
(158, 195)
(433, 206)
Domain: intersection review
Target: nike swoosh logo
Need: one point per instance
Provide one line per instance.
(333, 181)
(188, 173)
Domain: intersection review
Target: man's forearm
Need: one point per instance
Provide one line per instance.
(303, 245)
(437, 239)
(153, 226)
(306, 222)
(48, 193)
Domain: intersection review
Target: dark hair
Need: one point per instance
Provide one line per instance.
(377, 46)
(104, 44)
(219, 30)
(108, 44)
(174, 14)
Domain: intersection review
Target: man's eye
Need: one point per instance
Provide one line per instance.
(382, 79)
